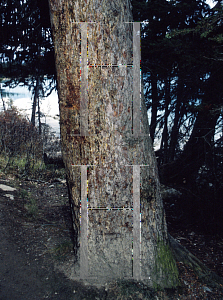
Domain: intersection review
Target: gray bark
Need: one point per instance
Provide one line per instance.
(107, 152)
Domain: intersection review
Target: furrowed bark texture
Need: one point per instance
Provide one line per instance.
(96, 130)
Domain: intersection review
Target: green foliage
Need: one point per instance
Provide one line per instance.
(26, 38)
(24, 194)
(26, 46)
(183, 73)
(61, 250)
(32, 207)
(20, 162)
(20, 145)
(17, 135)
(31, 204)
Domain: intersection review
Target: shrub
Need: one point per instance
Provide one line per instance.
(19, 138)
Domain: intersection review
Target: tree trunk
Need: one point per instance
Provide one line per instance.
(164, 141)
(175, 128)
(111, 168)
(39, 117)
(3, 102)
(196, 151)
(35, 99)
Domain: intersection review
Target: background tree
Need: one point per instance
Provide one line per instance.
(182, 62)
(26, 47)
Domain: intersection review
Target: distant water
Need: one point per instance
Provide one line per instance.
(22, 99)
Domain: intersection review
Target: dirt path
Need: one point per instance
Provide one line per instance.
(35, 242)
(24, 274)
(30, 247)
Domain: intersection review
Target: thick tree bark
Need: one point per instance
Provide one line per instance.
(107, 152)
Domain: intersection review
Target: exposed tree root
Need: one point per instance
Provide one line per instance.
(204, 274)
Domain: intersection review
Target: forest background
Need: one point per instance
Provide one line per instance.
(182, 67)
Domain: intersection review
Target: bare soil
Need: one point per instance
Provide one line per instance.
(36, 251)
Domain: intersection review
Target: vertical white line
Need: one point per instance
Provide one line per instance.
(136, 222)
(83, 227)
(84, 81)
(136, 78)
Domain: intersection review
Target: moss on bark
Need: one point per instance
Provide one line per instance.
(165, 264)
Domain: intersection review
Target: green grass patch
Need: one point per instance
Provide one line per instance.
(60, 251)
(32, 208)
(20, 164)
(24, 194)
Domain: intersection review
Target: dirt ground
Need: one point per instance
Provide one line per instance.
(36, 250)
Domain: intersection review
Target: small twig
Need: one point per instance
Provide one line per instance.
(37, 180)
